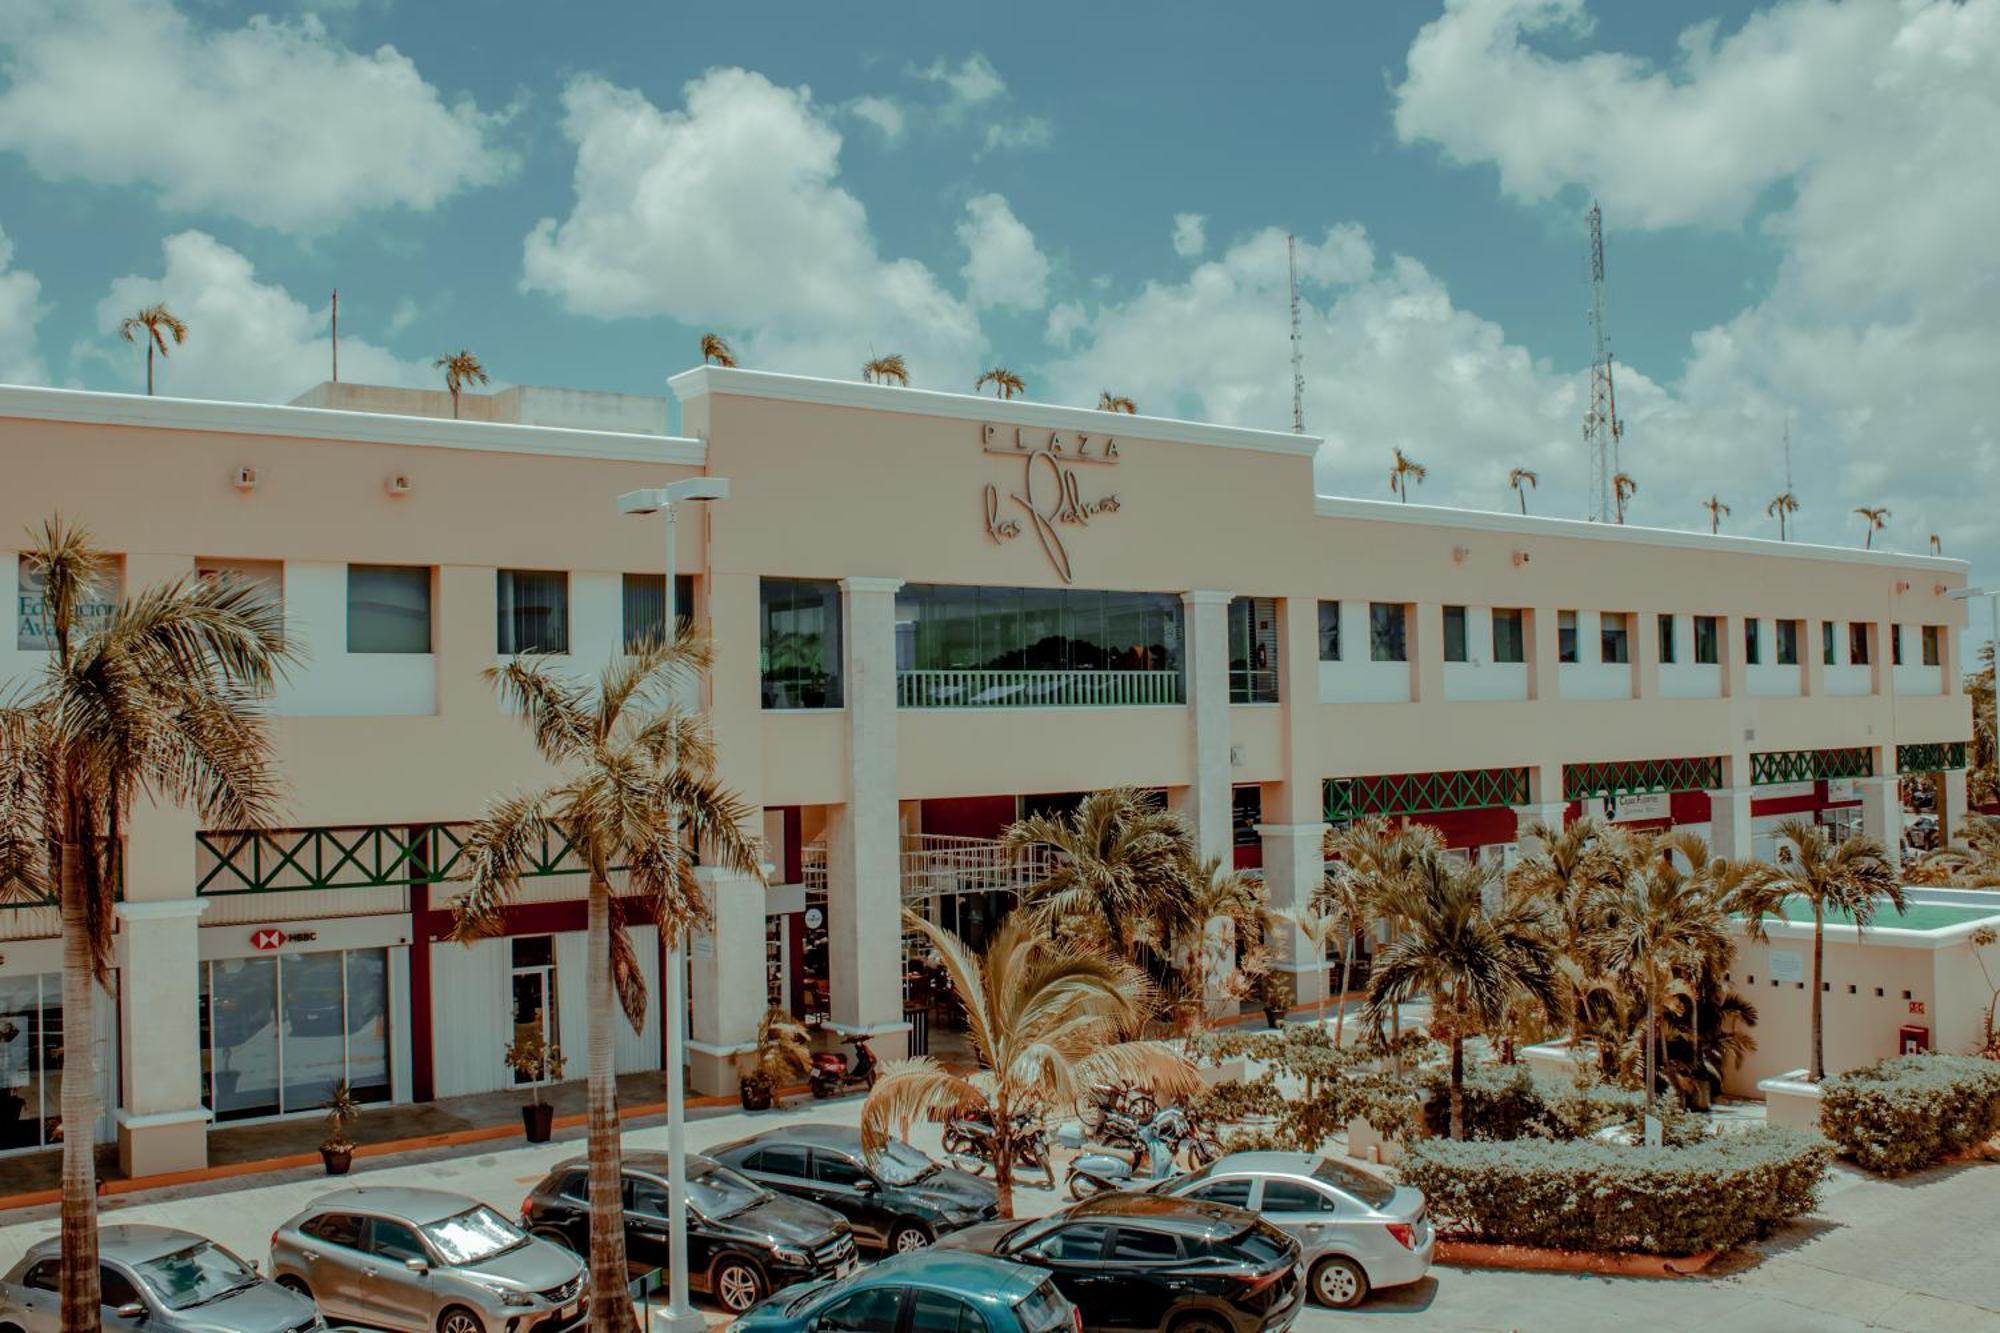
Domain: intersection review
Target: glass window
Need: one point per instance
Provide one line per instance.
(185, 1278)
(533, 610)
(1895, 645)
(831, 1169)
(335, 1229)
(1386, 632)
(1857, 642)
(1933, 645)
(1234, 1191)
(1080, 1243)
(313, 1037)
(1788, 642)
(32, 630)
(1253, 650)
(1753, 642)
(473, 1236)
(388, 609)
(1370, 1189)
(1291, 1196)
(1614, 636)
(1666, 640)
(266, 577)
(870, 1310)
(1510, 638)
(31, 1060)
(239, 1014)
(1139, 1246)
(1329, 631)
(1043, 1310)
(1707, 642)
(575, 1185)
(800, 644)
(1826, 642)
(317, 1017)
(645, 606)
(645, 1196)
(115, 1289)
(945, 629)
(45, 1276)
(1454, 634)
(1246, 812)
(394, 1240)
(941, 1312)
(1566, 649)
(779, 1160)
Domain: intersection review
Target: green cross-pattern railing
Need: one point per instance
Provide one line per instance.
(1633, 776)
(1930, 757)
(370, 856)
(1773, 767)
(1425, 793)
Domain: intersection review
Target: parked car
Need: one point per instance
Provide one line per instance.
(1146, 1261)
(744, 1241)
(936, 1291)
(423, 1259)
(159, 1279)
(900, 1201)
(1356, 1232)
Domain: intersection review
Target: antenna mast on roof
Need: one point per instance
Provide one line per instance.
(1601, 427)
(1298, 347)
(336, 335)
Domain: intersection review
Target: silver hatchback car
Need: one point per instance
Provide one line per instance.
(1356, 1232)
(422, 1260)
(159, 1279)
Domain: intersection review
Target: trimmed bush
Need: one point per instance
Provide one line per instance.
(1906, 1112)
(1604, 1197)
(1514, 1102)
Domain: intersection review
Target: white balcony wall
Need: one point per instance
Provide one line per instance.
(1355, 678)
(1589, 677)
(1916, 678)
(332, 682)
(1767, 681)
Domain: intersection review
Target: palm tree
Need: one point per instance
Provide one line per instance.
(886, 370)
(159, 323)
(1937, 546)
(1005, 382)
(1338, 901)
(1717, 511)
(1376, 858)
(1403, 472)
(1044, 1022)
(1110, 402)
(460, 369)
(714, 348)
(1223, 905)
(162, 698)
(1120, 877)
(1568, 872)
(1623, 488)
(1472, 962)
(635, 789)
(1874, 518)
(1853, 877)
(1523, 476)
(1779, 508)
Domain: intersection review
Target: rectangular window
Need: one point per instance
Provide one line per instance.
(1707, 641)
(1566, 636)
(1329, 631)
(800, 648)
(1387, 632)
(1253, 650)
(1666, 640)
(1933, 645)
(388, 609)
(533, 609)
(1614, 636)
(1753, 642)
(277, 1033)
(1895, 645)
(963, 647)
(1246, 812)
(32, 631)
(1454, 634)
(645, 606)
(1857, 642)
(1788, 642)
(1510, 639)
(1826, 642)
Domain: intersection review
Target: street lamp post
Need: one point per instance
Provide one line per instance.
(679, 1314)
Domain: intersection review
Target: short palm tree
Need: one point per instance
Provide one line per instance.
(636, 789)
(159, 324)
(1108, 401)
(1874, 518)
(1121, 870)
(1717, 511)
(1568, 871)
(1937, 545)
(1403, 472)
(886, 370)
(1044, 1019)
(460, 369)
(715, 349)
(1005, 382)
(1375, 858)
(1519, 479)
(1623, 488)
(1225, 909)
(163, 699)
(1780, 508)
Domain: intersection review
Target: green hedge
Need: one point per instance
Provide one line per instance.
(1513, 1102)
(1905, 1112)
(1709, 1195)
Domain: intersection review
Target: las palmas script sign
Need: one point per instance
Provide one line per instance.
(1049, 497)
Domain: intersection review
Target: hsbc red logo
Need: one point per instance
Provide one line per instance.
(268, 938)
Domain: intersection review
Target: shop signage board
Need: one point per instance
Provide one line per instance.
(1049, 498)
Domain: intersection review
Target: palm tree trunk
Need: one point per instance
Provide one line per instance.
(81, 1295)
(454, 404)
(1003, 1158)
(1817, 1070)
(1340, 1000)
(610, 1311)
(1652, 1038)
(1522, 496)
(1457, 1079)
(149, 370)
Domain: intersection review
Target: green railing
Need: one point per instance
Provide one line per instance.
(1773, 767)
(1930, 757)
(1425, 793)
(371, 856)
(1637, 776)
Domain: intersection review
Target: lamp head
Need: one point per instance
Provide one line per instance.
(1967, 594)
(653, 499)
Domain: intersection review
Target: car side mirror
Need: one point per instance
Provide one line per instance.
(131, 1310)
(865, 1186)
(417, 1266)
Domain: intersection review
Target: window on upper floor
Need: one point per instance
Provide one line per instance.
(33, 633)
(799, 644)
(388, 609)
(265, 578)
(1707, 641)
(1753, 640)
(1388, 627)
(1246, 812)
(1827, 642)
(1454, 634)
(1895, 645)
(1329, 631)
(1787, 645)
(1566, 636)
(533, 610)
(645, 606)
(1253, 650)
(1614, 636)
(1933, 645)
(1857, 642)
(1510, 639)
(1667, 644)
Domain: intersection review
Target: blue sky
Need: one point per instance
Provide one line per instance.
(1799, 200)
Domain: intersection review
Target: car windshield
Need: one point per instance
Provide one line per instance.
(1371, 1190)
(1021, 1237)
(720, 1192)
(195, 1276)
(900, 1164)
(473, 1235)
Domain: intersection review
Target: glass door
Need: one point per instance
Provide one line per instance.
(535, 1012)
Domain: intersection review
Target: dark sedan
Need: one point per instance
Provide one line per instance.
(744, 1241)
(1141, 1261)
(898, 1200)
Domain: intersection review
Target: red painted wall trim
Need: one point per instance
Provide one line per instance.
(423, 1076)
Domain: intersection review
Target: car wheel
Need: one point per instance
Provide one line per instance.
(1338, 1283)
(458, 1319)
(908, 1239)
(556, 1236)
(737, 1284)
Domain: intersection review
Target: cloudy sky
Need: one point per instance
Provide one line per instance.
(1802, 202)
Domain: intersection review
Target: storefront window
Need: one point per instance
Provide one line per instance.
(278, 1032)
(536, 1017)
(31, 1061)
(800, 644)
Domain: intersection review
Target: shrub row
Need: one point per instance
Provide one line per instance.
(1905, 1112)
(1709, 1195)
(1514, 1102)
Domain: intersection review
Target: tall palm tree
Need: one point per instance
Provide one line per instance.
(1338, 902)
(1004, 381)
(1717, 511)
(1108, 401)
(162, 698)
(1520, 477)
(1404, 471)
(1224, 908)
(1874, 518)
(1375, 858)
(1937, 546)
(886, 370)
(1568, 871)
(1853, 878)
(1623, 488)
(1472, 962)
(460, 369)
(714, 348)
(636, 788)
(1044, 1020)
(1780, 508)
(1120, 876)
(159, 324)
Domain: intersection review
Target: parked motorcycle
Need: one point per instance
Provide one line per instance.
(832, 1074)
(968, 1139)
(1129, 1106)
(1094, 1172)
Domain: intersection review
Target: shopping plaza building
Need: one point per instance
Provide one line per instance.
(931, 614)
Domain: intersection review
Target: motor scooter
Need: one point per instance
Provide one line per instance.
(969, 1142)
(1094, 1172)
(832, 1074)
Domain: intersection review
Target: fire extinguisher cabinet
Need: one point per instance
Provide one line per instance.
(1912, 1039)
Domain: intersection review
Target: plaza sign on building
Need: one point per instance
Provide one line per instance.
(1049, 497)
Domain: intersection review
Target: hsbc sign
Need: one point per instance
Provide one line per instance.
(270, 937)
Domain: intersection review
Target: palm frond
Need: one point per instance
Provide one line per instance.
(497, 850)
(558, 710)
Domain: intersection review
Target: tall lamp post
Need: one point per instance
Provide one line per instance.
(679, 1314)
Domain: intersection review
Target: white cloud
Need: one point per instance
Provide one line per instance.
(1003, 266)
(249, 341)
(404, 315)
(276, 122)
(21, 309)
(884, 113)
(1026, 132)
(1190, 234)
(971, 82)
(1066, 320)
(728, 213)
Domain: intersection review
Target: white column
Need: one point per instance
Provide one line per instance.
(1952, 806)
(1206, 801)
(163, 1125)
(726, 974)
(1729, 823)
(1527, 816)
(1882, 809)
(1293, 869)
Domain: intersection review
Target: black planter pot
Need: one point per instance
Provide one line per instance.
(337, 1160)
(755, 1094)
(538, 1119)
(1273, 1017)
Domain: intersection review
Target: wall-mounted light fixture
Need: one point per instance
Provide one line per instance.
(398, 484)
(1459, 554)
(1520, 558)
(245, 479)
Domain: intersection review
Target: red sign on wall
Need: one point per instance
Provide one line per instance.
(268, 938)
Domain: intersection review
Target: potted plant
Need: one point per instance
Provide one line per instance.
(1281, 990)
(784, 1053)
(342, 1110)
(535, 1061)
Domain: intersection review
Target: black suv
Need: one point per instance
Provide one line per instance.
(900, 1201)
(744, 1242)
(1145, 1261)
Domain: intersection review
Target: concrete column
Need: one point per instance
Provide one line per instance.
(162, 1125)
(1882, 671)
(1812, 650)
(1952, 806)
(1527, 816)
(1206, 803)
(1646, 654)
(1426, 649)
(1882, 807)
(1544, 662)
(863, 844)
(1729, 822)
(726, 980)
(1293, 869)
(1735, 662)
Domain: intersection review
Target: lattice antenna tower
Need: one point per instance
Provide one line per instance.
(1601, 427)
(1298, 344)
